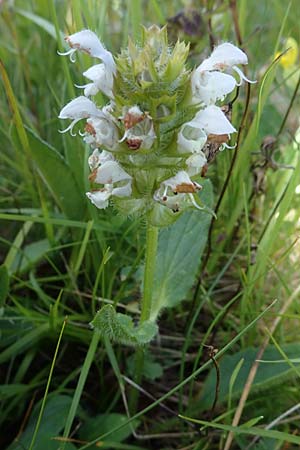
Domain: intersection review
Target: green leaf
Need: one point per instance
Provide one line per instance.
(120, 328)
(12, 390)
(100, 424)
(265, 378)
(40, 21)
(54, 417)
(4, 284)
(254, 431)
(58, 177)
(179, 254)
(152, 370)
(31, 254)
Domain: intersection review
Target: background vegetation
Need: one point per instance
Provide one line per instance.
(62, 259)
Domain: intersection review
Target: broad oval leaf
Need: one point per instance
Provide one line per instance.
(180, 248)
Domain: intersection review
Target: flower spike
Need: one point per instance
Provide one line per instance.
(153, 141)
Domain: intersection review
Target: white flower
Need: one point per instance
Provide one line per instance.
(176, 190)
(100, 197)
(195, 163)
(226, 56)
(77, 109)
(139, 131)
(208, 87)
(101, 132)
(213, 121)
(97, 158)
(191, 138)
(108, 174)
(102, 80)
(87, 41)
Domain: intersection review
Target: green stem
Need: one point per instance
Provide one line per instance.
(150, 259)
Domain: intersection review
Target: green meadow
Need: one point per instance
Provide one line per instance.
(117, 334)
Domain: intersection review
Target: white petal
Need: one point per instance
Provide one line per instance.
(135, 111)
(87, 41)
(99, 198)
(110, 172)
(208, 87)
(214, 121)
(97, 158)
(80, 108)
(95, 72)
(191, 138)
(102, 80)
(123, 191)
(223, 56)
(94, 159)
(195, 163)
(173, 202)
(90, 89)
(180, 178)
(104, 132)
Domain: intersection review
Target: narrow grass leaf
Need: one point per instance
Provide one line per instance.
(38, 423)
(254, 431)
(80, 385)
(58, 177)
(4, 284)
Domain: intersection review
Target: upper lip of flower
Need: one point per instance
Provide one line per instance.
(77, 109)
(213, 121)
(87, 41)
(226, 56)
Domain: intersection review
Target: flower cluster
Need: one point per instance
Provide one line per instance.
(149, 140)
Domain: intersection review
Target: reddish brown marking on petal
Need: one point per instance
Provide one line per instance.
(90, 129)
(185, 188)
(132, 119)
(92, 175)
(98, 190)
(217, 138)
(134, 144)
(221, 66)
(204, 170)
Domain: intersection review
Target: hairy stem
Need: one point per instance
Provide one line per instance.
(150, 258)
